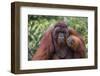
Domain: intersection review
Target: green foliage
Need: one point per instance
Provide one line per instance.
(38, 24)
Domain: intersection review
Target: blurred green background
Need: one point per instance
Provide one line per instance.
(38, 24)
